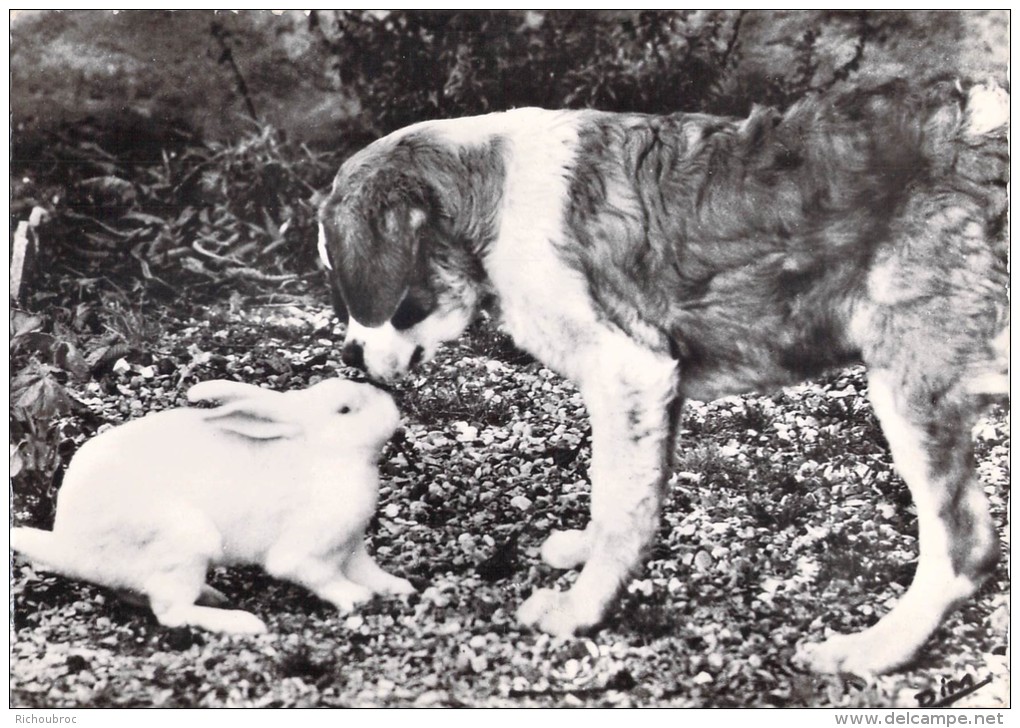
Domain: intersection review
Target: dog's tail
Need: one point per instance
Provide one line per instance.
(42, 548)
(967, 138)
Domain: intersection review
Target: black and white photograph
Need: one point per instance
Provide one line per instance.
(510, 359)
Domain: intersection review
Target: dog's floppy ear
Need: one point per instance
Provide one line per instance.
(376, 254)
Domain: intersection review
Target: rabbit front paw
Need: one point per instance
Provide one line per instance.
(394, 585)
(345, 595)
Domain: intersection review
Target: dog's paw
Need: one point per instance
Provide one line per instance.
(566, 549)
(852, 654)
(556, 613)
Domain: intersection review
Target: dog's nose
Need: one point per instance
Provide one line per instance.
(353, 355)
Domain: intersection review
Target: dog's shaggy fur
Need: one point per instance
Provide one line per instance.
(653, 258)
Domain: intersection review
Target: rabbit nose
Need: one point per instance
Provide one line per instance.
(353, 355)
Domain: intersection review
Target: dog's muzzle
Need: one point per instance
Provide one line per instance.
(353, 355)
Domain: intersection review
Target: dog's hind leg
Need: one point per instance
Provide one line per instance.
(632, 399)
(929, 437)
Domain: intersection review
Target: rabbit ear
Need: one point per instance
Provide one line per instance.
(256, 419)
(224, 391)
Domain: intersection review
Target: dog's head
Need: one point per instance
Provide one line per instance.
(406, 279)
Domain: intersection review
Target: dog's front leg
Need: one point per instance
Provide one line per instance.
(632, 398)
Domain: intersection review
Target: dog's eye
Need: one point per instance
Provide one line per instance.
(409, 313)
(344, 410)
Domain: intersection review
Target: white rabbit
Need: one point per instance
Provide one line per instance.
(285, 480)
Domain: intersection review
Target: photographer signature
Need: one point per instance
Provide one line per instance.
(949, 692)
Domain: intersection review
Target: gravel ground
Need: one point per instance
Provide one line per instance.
(785, 522)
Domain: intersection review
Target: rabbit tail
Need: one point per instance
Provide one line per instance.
(42, 548)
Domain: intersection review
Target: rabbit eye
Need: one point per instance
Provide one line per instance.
(344, 410)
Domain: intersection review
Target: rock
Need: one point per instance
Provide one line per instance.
(76, 664)
(521, 502)
(703, 561)
(641, 586)
(430, 698)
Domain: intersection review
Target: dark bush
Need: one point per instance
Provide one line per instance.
(407, 65)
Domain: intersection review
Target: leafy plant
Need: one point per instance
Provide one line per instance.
(38, 401)
(215, 212)
(50, 354)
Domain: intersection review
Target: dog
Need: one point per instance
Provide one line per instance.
(656, 258)
(284, 480)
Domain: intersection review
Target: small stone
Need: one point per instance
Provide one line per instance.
(432, 594)
(477, 642)
(465, 432)
(432, 697)
(999, 619)
(688, 529)
(76, 663)
(641, 586)
(520, 502)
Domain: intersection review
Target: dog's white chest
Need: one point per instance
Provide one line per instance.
(545, 304)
